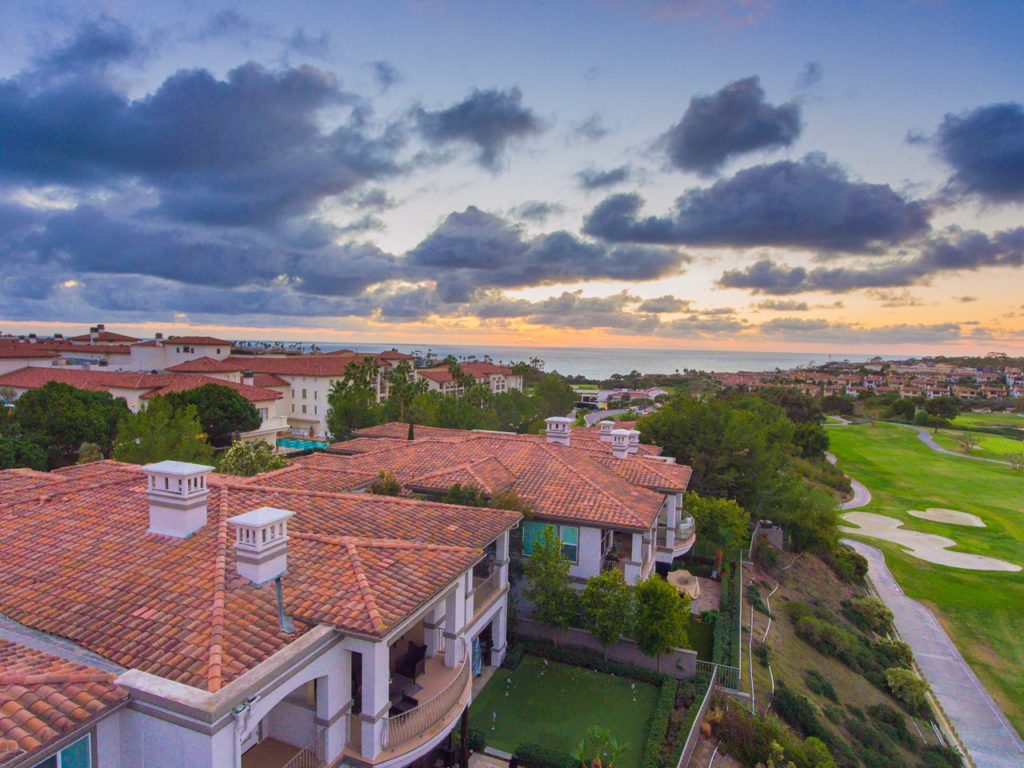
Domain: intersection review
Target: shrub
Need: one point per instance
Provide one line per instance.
(765, 555)
(536, 756)
(796, 610)
(908, 689)
(513, 657)
(819, 684)
(848, 565)
(754, 596)
(798, 711)
(834, 714)
(893, 653)
(869, 614)
(580, 657)
(386, 485)
(724, 649)
(762, 654)
(476, 739)
(891, 722)
(658, 728)
(941, 757)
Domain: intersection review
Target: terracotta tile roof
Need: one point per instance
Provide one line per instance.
(298, 365)
(649, 472)
(199, 341)
(155, 383)
(558, 481)
(44, 698)
(107, 337)
(26, 351)
(13, 481)
(487, 474)
(67, 346)
(79, 563)
(267, 380)
(442, 375)
(207, 365)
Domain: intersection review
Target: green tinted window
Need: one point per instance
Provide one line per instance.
(532, 532)
(570, 536)
(77, 755)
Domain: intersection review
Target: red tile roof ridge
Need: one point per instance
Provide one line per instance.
(215, 659)
(50, 493)
(362, 541)
(552, 450)
(467, 466)
(49, 678)
(364, 587)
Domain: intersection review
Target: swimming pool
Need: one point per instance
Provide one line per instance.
(300, 444)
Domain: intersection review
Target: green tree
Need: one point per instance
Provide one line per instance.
(547, 583)
(811, 440)
(16, 452)
(403, 388)
(159, 433)
(386, 484)
(554, 395)
(465, 496)
(908, 688)
(720, 522)
(607, 607)
(59, 418)
(248, 459)
(662, 617)
(223, 412)
(88, 453)
(353, 399)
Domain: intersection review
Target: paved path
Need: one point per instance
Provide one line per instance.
(861, 495)
(926, 438)
(595, 416)
(990, 739)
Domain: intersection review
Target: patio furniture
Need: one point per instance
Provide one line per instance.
(685, 583)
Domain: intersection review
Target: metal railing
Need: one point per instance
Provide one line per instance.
(313, 756)
(485, 590)
(694, 734)
(420, 719)
(725, 675)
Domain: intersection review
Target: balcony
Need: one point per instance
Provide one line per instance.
(444, 693)
(685, 535)
(486, 590)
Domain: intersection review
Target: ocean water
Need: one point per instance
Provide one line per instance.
(602, 363)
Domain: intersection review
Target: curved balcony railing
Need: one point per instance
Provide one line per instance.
(419, 720)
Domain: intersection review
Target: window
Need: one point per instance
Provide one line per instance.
(303, 408)
(77, 755)
(315, 393)
(293, 407)
(316, 410)
(263, 414)
(568, 534)
(303, 393)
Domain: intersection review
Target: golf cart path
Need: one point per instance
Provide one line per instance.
(861, 495)
(986, 733)
(928, 440)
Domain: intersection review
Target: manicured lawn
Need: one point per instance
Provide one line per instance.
(554, 705)
(989, 446)
(989, 420)
(702, 638)
(983, 611)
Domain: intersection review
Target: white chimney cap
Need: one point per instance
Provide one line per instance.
(605, 423)
(257, 518)
(620, 431)
(180, 468)
(558, 420)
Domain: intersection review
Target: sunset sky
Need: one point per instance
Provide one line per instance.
(666, 173)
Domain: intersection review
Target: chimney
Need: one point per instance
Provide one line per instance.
(177, 497)
(261, 544)
(606, 426)
(634, 440)
(559, 429)
(248, 378)
(620, 443)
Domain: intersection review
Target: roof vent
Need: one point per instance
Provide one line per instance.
(620, 443)
(559, 429)
(177, 497)
(634, 440)
(606, 426)
(261, 544)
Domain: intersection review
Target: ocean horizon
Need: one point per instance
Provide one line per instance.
(601, 363)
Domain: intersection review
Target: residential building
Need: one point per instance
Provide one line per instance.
(161, 353)
(497, 378)
(138, 388)
(216, 622)
(612, 504)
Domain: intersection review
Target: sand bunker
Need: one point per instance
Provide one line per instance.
(950, 516)
(926, 546)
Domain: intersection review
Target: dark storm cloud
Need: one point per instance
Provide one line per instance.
(537, 210)
(955, 251)
(490, 120)
(94, 46)
(985, 149)
(476, 249)
(593, 178)
(314, 46)
(733, 121)
(244, 150)
(793, 328)
(810, 203)
(663, 304)
(809, 76)
(386, 74)
(591, 129)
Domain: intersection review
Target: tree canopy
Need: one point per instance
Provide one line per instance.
(662, 617)
(223, 412)
(608, 606)
(720, 522)
(248, 459)
(160, 432)
(353, 400)
(547, 582)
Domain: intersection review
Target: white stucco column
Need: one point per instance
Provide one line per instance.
(376, 699)
(501, 559)
(470, 605)
(454, 624)
(334, 701)
(499, 633)
(433, 625)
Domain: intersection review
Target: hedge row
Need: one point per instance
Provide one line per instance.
(699, 690)
(727, 624)
(536, 756)
(658, 729)
(580, 657)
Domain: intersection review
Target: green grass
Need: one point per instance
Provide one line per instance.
(967, 420)
(555, 705)
(981, 610)
(989, 446)
(702, 638)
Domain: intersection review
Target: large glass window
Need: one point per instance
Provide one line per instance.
(77, 755)
(569, 535)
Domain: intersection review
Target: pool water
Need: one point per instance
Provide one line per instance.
(300, 443)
